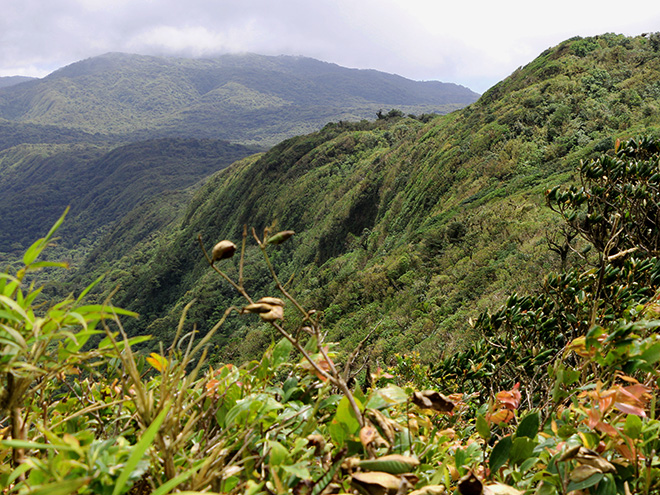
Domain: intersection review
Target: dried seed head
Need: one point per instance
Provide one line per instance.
(273, 301)
(223, 250)
(276, 313)
(257, 308)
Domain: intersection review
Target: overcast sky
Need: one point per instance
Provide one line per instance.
(474, 43)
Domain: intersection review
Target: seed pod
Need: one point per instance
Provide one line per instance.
(273, 301)
(223, 250)
(275, 313)
(259, 308)
(280, 237)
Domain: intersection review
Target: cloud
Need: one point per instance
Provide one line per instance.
(475, 43)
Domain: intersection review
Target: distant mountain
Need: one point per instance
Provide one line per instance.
(101, 182)
(12, 80)
(249, 99)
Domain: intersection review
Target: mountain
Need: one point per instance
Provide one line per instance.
(100, 181)
(12, 80)
(404, 226)
(78, 136)
(248, 99)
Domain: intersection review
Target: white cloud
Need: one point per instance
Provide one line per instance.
(475, 43)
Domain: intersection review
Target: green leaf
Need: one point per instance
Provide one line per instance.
(24, 444)
(483, 428)
(346, 416)
(89, 288)
(38, 246)
(177, 480)
(521, 449)
(60, 487)
(500, 454)
(278, 453)
(137, 452)
(652, 354)
(299, 470)
(633, 426)
(590, 481)
(337, 433)
(529, 426)
(281, 352)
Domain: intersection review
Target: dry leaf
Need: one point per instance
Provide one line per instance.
(583, 472)
(501, 489)
(470, 485)
(367, 435)
(430, 399)
(377, 483)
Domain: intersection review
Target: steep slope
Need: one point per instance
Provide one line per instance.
(242, 98)
(403, 226)
(100, 182)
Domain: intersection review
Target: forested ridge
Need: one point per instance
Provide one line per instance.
(247, 99)
(406, 224)
(416, 304)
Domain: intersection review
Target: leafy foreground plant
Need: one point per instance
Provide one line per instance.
(559, 396)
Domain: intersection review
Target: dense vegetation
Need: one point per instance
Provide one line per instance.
(465, 303)
(161, 125)
(102, 182)
(405, 226)
(579, 418)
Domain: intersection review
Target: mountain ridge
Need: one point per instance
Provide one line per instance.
(407, 225)
(152, 96)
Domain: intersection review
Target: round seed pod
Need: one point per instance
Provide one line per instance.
(223, 250)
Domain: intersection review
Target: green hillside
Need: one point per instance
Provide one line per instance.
(100, 182)
(404, 227)
(249, 99)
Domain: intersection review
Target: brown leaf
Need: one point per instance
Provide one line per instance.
(367, 435)
(430, 399)
(510, 398)
(470, 485)
(430, 490)
(591, 458)
(583, 472)
(377, 483)
(500, 416)
(501, 489)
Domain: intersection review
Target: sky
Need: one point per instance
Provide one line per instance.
(475, 43)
